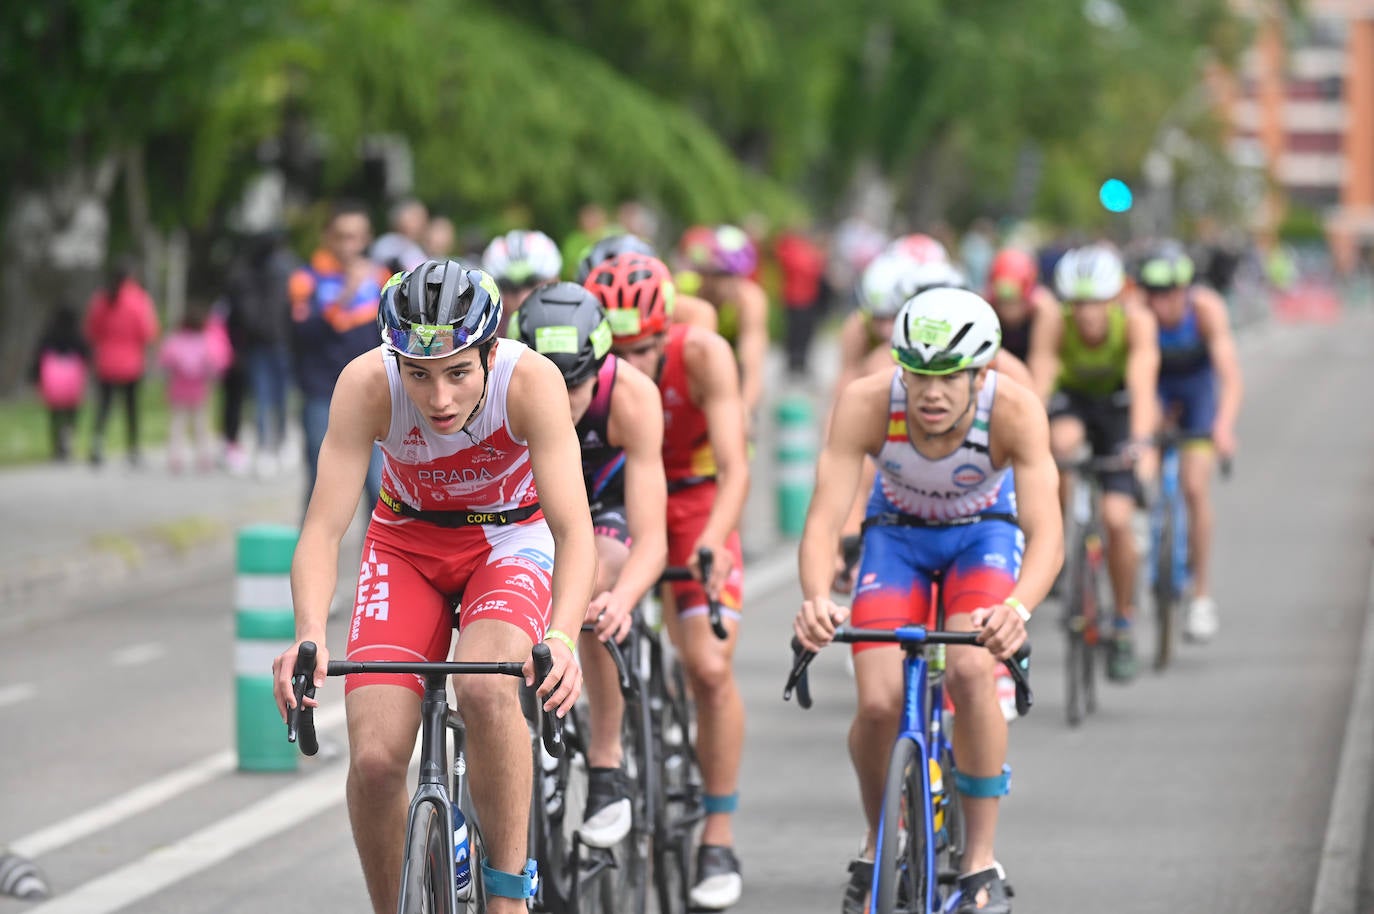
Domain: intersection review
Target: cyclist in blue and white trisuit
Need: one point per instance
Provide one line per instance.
(1200, 390)
(944, 431)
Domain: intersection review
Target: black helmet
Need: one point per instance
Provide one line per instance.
(437, 309)
(608, 247)
(565, 323)
(1163, 266)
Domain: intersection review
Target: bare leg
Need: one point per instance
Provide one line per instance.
(500, 762)
(878, 676)
(980, 739)
(1123, 562)
(1195, 478)
(606, 704)
(382, 723)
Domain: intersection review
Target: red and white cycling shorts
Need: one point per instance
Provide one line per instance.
(412, 571)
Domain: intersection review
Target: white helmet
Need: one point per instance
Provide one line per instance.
(945, 330)
(522, 258)
(1091, 273)
(893, 276)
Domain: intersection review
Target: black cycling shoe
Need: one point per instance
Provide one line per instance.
(856, 892)
(608, 816)
(985, 892)
(718, 884)
(1121, 665)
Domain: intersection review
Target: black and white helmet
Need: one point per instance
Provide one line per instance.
(437, 309)
(1090, 273)
(945, 330)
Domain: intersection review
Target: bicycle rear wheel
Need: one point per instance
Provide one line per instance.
(1165, 594)
(903, 871)
(1077, 652)
(430, 868)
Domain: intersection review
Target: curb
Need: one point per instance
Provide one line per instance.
(1342, 858)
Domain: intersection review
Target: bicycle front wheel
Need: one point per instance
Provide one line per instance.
(903, 864)
(1164, 592)
(429, 868)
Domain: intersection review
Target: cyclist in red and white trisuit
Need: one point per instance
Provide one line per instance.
(708, 479)
(480, 499)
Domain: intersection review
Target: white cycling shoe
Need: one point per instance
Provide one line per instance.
(1200, 622)
(719, 884)
(609, 814)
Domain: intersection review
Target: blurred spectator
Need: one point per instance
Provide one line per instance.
(193, 356)
(976, 250)
(233, 387)
(592, 226)
(120, 325)
(334, 305)
(637, 219)
(400, 249)
(59, 370)
(439, 238)
(802, 263)
(260, 329)
(856, 242)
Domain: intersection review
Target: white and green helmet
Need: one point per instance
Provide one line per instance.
(1090, 273)
(894, 276)
(945, 330)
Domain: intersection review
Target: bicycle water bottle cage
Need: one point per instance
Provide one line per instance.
(998, 785)
(511, 885)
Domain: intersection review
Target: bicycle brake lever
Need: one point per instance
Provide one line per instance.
(1019, 667)
(798, 679)
(300, 720)
(551, 725)
(706, 561)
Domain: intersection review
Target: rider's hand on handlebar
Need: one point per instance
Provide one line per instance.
(611, 615)
(721, 563)
(284, 665)
(564, 683)
(816, 622)
(1224, 441)
(1000, 629)
(1145, 457)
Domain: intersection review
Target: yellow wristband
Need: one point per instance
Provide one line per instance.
(554, 634)
(1019, 607)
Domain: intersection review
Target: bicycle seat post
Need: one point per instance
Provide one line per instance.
(433, 715)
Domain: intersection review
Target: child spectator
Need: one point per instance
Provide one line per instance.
(195, 355)
(59, 370)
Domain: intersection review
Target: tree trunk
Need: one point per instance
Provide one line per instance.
(52, 251)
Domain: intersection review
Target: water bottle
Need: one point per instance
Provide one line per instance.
(462, 867)
(938, 798)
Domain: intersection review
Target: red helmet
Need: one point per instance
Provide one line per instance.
(637, 292)
(920, 248)
(696, 249)
(1013, 272)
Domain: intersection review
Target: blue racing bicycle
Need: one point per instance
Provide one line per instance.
(920, 834)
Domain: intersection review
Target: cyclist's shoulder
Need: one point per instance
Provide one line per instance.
(694, 311)
(1212, 314)
(634, 392)
(1015, 407)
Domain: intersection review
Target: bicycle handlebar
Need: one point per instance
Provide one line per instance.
(706, 560)
(910, 637)
(622, 670)
(300, 720)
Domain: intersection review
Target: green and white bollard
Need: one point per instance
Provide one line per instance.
(796, 459)
(264, 626)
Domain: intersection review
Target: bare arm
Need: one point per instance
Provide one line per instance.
(359, 414)
(1142, 371)
(753, 340)
(1221, 347)
(1009, 366)
(1021, 438)
(637, 427)
(689, 309)
(855, 432)
(715, 389)
(556, 458)
(1042, 360)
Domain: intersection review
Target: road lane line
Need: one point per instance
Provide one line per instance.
(13, 694)
(168, 865)
(1338, 874)
(136, 654)
(146, 796)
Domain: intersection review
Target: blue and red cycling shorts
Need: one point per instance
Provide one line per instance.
(977, 563)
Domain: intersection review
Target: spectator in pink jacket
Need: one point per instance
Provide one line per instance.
(120, 325)
(193, 356)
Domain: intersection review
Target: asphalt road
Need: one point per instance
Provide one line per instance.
(1205, 789)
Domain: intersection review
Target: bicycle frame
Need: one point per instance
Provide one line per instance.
(433, 784)
(920, 724)
(1170, 504)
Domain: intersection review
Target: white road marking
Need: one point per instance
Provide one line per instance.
(137, 654)
(146, 796)
(1338, 874)
(13, 694)
(168, 865)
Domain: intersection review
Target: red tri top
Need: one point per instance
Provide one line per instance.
(687, 450)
